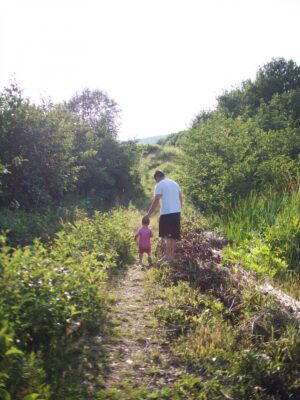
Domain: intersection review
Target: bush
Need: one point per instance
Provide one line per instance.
(51, 295)
(225, 159)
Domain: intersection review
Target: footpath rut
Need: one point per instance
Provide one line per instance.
(139, 356)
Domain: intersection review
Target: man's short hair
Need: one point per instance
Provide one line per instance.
(159, 174)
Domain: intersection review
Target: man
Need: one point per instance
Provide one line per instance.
(168, 194)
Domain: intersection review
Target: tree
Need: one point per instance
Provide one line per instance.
(281, 112)
(36, 148)
(47, 151)
(225, 158)
(97, 110)
(200, 117)
(276, 77)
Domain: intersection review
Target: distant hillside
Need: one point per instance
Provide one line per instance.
(174, 139)
(151, 140)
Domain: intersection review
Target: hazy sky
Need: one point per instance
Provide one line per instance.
(162, 61)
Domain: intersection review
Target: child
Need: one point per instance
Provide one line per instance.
(143, 235)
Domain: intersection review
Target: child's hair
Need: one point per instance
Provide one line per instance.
(145, 221)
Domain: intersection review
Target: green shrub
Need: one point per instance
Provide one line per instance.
(51, 294)
(256, 255)
(9, 355)
(224, 159)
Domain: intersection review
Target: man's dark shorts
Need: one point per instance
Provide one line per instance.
(169, 226)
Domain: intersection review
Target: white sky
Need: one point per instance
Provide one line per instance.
(162, 61)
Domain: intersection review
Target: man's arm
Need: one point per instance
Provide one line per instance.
(154, 204)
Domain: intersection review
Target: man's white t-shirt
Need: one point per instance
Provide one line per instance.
(170, 200)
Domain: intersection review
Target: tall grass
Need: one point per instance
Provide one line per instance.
(253, 215)
(284, 234)
(271, 220)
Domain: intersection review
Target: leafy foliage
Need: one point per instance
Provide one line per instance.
(96, 109)
(52, 150)
(276, 77)
(35, 147)
(174, 139)
(250, 143)
(51, 295)
(224, 159)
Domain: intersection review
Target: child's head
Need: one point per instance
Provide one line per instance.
(145, 221)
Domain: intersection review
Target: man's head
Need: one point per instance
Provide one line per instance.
(159, 175)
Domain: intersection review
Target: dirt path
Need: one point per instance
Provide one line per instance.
(139, 356)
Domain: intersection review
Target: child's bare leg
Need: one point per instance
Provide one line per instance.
(149, 259)
(140, 258)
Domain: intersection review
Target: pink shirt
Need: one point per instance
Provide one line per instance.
(144, 235)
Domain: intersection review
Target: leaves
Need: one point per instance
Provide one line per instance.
(51, 294)
(50, 150)
(33, 396)
(225, 159)
(4, 394)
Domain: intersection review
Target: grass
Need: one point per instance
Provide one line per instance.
(264, 231)
(255, 214)
(164, 158)
(253, 356)
(289, 283)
